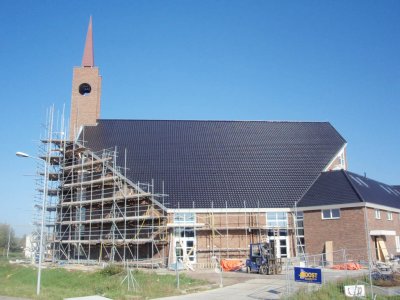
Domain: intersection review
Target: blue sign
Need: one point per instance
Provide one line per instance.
(309, 275)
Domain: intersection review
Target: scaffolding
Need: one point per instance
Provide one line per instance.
(94, 213)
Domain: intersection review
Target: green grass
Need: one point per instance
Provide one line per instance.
(332, 290)
(11, 256)
(59, 283)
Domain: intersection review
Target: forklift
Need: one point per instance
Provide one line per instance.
(262, 259)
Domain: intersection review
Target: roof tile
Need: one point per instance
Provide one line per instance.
(266, 164)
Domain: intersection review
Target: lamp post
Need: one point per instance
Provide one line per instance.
(9, 239)
(24, 155)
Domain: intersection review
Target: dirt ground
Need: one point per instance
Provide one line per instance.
(214, 278)
(228, 278)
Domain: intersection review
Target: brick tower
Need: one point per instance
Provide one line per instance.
(86, 90)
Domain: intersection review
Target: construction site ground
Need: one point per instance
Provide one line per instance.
(231, 285)
(240, 285)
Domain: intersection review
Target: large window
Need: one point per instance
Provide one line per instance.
(185, 237)
(331, 213)
(397, 238)
(184, 218)
(277, 219)
(184, 232)
(300, 232)
(277, 223)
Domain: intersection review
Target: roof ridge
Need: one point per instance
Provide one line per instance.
(306, 191)
(352, 185)
(208, 120)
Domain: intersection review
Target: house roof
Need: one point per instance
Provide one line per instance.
(220, 164)
(344, 187)
(396, 187)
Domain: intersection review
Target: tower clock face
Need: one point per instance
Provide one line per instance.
(85, 89)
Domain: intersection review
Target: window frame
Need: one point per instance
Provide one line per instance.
(397, 240)
(330, 210)
(378, 214)
(300, 241)
(184, 218)
(277, 219)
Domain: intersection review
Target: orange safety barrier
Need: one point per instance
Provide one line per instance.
(347, 266)
(231, 264)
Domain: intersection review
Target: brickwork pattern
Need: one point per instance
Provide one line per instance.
(85, 109)
(348, 232)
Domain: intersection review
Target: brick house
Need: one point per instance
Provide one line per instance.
(348, 211)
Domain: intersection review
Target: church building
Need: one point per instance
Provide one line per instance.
(152, 192)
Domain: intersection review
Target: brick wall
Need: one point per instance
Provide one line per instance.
(336, 162)
(228, 235)
(384, 224)
(348, 232)
(85, 110)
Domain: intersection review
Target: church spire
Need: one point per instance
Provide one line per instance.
(88, 57)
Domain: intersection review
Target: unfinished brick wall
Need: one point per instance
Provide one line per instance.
(336, 162)
(384, 224)
(347, 232)
(227, 235)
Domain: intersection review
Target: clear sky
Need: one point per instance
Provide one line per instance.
(336, 61)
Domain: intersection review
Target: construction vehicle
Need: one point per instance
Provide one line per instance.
(262, 259)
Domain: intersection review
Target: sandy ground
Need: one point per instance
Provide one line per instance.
(228, 278)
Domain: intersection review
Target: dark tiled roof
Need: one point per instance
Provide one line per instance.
(342, 187)
(375, 192)
(210, 163)
(330, 188)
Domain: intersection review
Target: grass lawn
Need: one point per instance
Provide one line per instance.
(333, 290)
(59, 283)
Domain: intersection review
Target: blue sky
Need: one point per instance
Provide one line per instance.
(336, 61)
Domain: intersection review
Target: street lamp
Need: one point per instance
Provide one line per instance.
(25, 155)
(22, 154)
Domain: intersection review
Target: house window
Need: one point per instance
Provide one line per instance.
(331, 213)
(377, 214)
(389, 216)
(397, 243)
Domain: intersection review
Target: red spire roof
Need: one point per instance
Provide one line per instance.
(88, 57)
